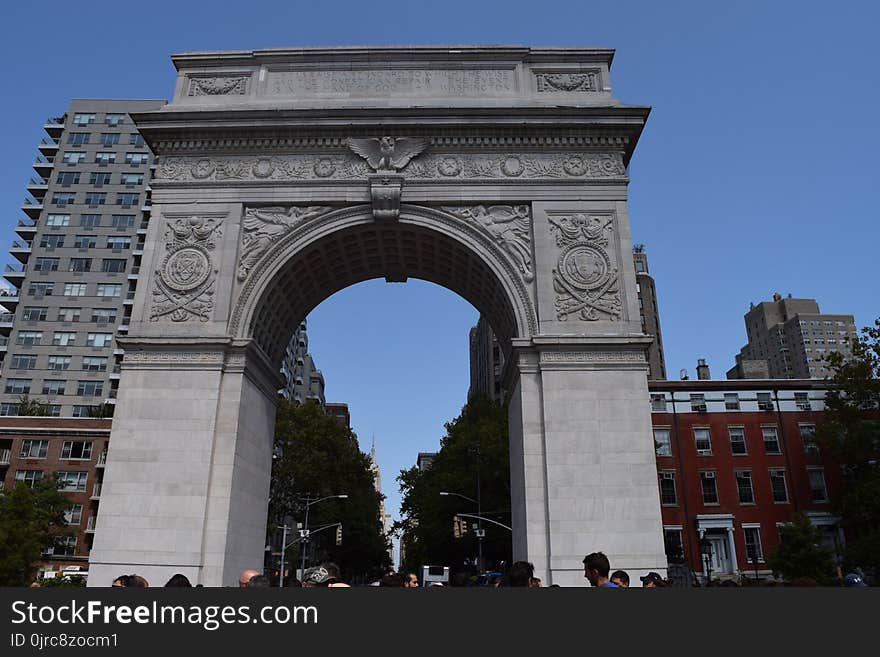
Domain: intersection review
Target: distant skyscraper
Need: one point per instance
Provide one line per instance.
(303, 379)
(650, 315)
(788, 339)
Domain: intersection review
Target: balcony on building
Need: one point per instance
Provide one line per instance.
(90, 525)
(48, 147)
(44, 165)
(6, 322)
(37, 187)
(102, 459)
(96, 491)
(9, 298)
(129, 298)
(14, 274)
(21, 251)
(54, 126)
(4, 345)
(32, 208)
(5, 456)
(115, 372)
(26, 229)
(142, 229)
(133, 272)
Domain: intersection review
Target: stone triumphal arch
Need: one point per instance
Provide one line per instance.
(286, 175)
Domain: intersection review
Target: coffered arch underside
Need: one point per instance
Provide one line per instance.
(342, 247)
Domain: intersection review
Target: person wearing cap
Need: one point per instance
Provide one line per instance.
(653, 581)
(853, 579)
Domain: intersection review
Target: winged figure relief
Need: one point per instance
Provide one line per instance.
(387, 153)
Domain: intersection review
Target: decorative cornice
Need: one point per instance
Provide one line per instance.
(218, 85)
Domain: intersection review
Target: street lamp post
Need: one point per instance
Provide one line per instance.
(480, 532)
(304, 534)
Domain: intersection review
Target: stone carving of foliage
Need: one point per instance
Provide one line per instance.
(586, 277)
(509, 226)
(262, 227)
(184, 281)
(567, 82)
(218, 86)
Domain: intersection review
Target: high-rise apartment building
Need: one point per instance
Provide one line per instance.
(789, 339)
(649, 313)
(80, 252)
(303, 379)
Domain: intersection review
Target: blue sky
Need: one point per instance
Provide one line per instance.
(757, 171)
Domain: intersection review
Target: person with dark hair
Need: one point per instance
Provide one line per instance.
(520, 574)
(621, 578)
(410, 581)
(178, 580)
(596, 569)
(123, 580)
(258, 582)
(653, 581)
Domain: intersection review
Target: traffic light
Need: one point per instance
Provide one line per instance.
(464, 526)
(456, 528)
(339, 535)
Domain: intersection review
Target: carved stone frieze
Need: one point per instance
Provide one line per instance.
(586, 278)
(387, 154)
(226, 85)
(584, 82)
(510, 227)
(262, 227)
(592, 356)
(430, 166)
(184, 281)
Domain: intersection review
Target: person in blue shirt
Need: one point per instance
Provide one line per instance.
(596, 569)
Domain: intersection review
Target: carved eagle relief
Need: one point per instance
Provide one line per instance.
(387, 153)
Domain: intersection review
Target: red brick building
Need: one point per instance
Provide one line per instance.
(734, 462)
(75, 450)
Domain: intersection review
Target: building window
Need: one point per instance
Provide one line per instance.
(698, 403)
(7, 409)
(59, 362)
(72, 482)
(109, 138)
(46, 264)
(41, 289)
(771, 440)
(777, 485)
(80, 264)
(74, 289)
(58, 220)
(77, 449)
(68, 314)
(83, 411)
(34, 313)
(18, 386)
(85, 242)
(65, 546)
(29, 337)
(122, 220)
(78, 138)
(667, 488)
(754, 553)
(90, 220)
(90, 388)
(764, 401)
(817, 484)
(99, 339)
(83, 119)
(105, 158)
(29, 477)
(127, 199)
(24, 362)
(64, 338)
(118, 242)
(136, 139)
(658, 403)
(104, 315)
(802, 401)
(109, 290)
(702, 440)
(710, 490)
(63, 198)
(52, 241)
(73, 515)
(73, 157)
(808, 437)
(113, 265)
(662, 443)
(53, 410)
(34, 449)
(96, 198)
(114, 119)
(737, 440)
(731, 401)
(744, 487)
(68, 178)
(99, 179)
(673, 545)
(53, 387)
(136, 158)
(94, 363)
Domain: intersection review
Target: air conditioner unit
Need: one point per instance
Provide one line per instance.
(765, 406)
(700, 408)
(667, 475)
(709, 475)
(704, 452)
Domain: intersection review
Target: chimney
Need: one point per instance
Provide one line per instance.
(703, 370)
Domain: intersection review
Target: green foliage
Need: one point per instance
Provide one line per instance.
(67, 582)
(317, 456)
(30, 520)
(28, 406)
(102, 410)
(477, 440)
(851, 434)
(801, 554)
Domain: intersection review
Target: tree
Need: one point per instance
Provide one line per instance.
(475, 442)
(102, 410)
(850, 432)
(31, 519)
(317, 456)
(28, 406)
(800, 552)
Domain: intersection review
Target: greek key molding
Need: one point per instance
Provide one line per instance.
(184, 281)
(592, 356)
(227, 85)
(150, 357)
(510, 227)
(262, 227)
(582, 82)
(347, 166)
(586, 278)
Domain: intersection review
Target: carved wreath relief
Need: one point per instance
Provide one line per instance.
(509, 226)
(218, 86)
(184, 281)
(586, 277)
(262, 227)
